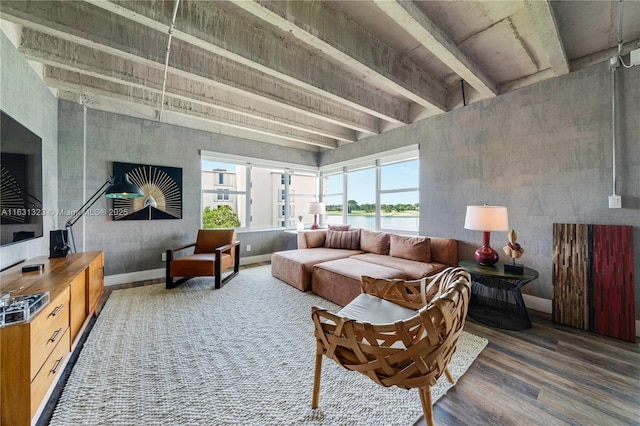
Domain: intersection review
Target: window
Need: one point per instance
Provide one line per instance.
(252, 194)
(378, 193)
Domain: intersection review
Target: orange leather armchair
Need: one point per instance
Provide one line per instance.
(215, 251)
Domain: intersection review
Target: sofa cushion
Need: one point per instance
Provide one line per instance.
(339, 280)
(349, 240)
(374, 242)
(411, 248)
(294, 266)
(311, 239)
(412, 269)
(338, 227)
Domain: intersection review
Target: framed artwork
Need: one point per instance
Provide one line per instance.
(162, 187)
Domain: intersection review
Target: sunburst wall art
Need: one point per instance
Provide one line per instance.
(162, 187)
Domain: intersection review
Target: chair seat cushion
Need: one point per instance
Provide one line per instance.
(371, 309)
(199, 265)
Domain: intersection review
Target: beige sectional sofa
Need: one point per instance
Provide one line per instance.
(331, 262)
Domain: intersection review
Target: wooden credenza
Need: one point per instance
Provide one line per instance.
(34, 353)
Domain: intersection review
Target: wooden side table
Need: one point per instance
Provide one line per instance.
(496, 299)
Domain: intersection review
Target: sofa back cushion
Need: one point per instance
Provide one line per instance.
(374, 242)
(444, 250)
(338, 227)
(343, 239)
(311, 239)
(411, 248)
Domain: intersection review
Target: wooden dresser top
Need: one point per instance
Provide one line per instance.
(55, 277)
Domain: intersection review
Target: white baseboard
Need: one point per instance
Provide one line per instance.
(538, 303)
(546, 306)
(153, 274)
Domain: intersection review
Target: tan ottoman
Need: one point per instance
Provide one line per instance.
(339, 280)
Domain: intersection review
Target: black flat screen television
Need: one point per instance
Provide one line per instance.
(21, 210)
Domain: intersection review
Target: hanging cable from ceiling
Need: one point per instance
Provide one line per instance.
(166, 60)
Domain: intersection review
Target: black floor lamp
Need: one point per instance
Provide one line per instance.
(112, 188)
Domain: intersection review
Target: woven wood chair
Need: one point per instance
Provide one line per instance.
(397, 333)
(214, 251)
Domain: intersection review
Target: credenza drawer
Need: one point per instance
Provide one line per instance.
(47, 328)
(51, 368)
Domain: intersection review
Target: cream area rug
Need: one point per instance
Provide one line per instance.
(240, 355)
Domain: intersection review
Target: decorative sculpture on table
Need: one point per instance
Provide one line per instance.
(514, 251)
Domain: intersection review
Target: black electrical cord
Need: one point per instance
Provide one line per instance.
(464, 100)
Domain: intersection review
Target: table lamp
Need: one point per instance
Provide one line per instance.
(315, 208)
(486, 219)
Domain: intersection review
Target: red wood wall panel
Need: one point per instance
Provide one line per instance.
(593, 282)
(613, 286)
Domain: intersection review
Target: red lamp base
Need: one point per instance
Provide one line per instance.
(315, 222)
(485, 255)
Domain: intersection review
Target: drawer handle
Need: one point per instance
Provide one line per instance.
(56, 311)
(54, 370)
(55, 335)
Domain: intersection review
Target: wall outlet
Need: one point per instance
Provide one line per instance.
(634, 57)
(248, 247)
(615, 202)
(164, 256)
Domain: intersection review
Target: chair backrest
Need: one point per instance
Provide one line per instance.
(210, 239)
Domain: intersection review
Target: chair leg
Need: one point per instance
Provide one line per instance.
(316, 381)
(448, 374)
(427, 407)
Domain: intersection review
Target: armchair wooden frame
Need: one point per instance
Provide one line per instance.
(219, 281)
(409, 353)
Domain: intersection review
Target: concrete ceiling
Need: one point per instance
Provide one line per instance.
(308, 74)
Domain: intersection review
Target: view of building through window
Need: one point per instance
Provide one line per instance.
(228, 201)
(260, 197)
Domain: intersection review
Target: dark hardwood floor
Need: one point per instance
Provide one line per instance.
(547, 375)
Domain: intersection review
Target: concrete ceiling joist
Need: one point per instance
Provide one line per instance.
(106, 67)
(205, 26)
(547, 30)
(88, 86)
(424, 30)
(216, 71)
(351, 45)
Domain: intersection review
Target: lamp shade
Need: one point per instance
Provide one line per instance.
(487, 218)
(123, 188)
(315, 208)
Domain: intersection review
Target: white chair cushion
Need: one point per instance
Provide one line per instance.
(371, 309)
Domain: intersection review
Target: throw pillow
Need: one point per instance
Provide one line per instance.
(339, 227)
(412, 248)
(343, 239)
(374, 242)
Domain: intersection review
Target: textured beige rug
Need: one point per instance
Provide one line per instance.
(241, 355)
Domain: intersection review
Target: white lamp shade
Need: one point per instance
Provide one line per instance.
(487, 218)
(315, 208)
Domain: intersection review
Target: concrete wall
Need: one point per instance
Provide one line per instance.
(90, 141)
(543, 151)
(27, 99)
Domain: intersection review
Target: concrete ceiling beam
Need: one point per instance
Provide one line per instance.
(351, 45)
(210, 28)
(426, 32)
(547, 30)
(209, 69)
(90, 86)
(77, 58)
